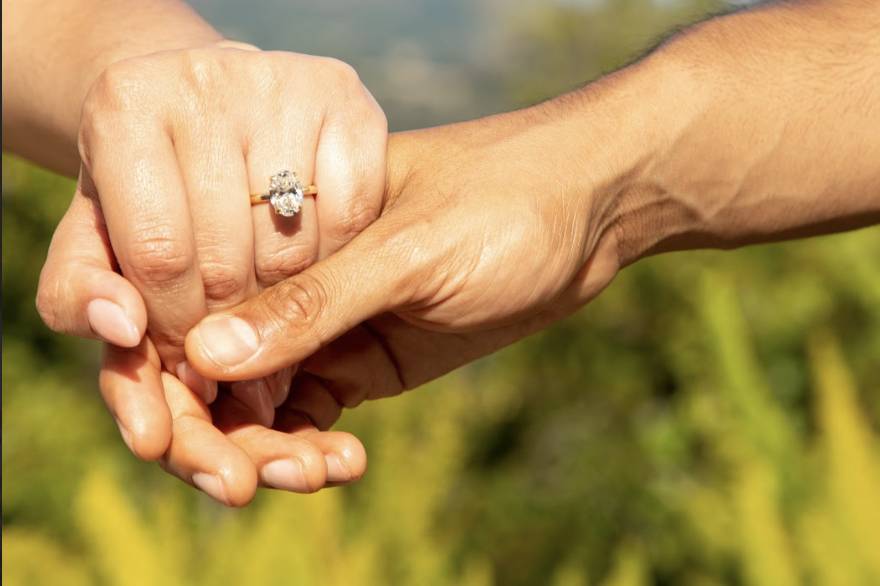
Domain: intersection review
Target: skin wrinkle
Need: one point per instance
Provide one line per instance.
(312, 399)
(345, 399)
(396, 364)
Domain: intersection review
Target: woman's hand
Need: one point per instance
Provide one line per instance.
(172, 144)
(494, 228)
(225, 450)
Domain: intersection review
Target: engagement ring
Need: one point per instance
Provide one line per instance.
(286, 194)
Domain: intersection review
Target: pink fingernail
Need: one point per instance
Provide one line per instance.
(228, 341)
(337, 471)
(204, 388)
(285, 474)
(256, 395)
(109, 321)
(211, 485)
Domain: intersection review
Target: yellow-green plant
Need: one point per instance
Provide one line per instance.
(710, 419)
(828, 532)
(388, 536)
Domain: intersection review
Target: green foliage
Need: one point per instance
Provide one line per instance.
(556, 47)
(711, 419)
(681, 429)
(32, 559)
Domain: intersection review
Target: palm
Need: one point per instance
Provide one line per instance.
(388, 355)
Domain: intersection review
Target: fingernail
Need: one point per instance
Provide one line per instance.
(108, 320)
(210, 484)
(206, 389)
(228, 340)
(126, 435)
(285, 474)
(337, 471)
(256, 395)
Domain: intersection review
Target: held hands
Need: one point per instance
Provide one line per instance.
(479, 243)
(172, 144)
(472, 252)
(477, 246)
(482, 232)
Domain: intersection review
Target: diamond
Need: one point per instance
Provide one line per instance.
(286, 194)
(282, 182)
(288, 203)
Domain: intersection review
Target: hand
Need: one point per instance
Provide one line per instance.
(225, 450)
(471, 252)
(494, 228)
(172, 146)
(479, 244)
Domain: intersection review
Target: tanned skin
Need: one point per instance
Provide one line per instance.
(750, 127)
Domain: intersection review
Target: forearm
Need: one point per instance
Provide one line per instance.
(53, 51)
(753, 127)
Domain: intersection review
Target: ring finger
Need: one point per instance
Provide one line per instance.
(283, 246)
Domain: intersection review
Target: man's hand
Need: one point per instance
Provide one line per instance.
(495, 228)
(481, 242)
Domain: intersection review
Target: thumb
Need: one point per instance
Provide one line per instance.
(79, 292)
(294, 318)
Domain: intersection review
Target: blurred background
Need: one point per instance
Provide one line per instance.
(712, 419)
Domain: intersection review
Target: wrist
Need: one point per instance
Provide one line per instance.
(634, 121)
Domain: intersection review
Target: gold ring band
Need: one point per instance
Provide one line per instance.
(285, 194)
(265, 197)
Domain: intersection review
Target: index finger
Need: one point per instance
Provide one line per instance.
(134, 172)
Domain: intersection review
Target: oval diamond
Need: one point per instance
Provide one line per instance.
(288, 203)
(282, 182)
(286, 193)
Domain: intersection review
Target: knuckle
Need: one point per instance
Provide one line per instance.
(341, 71)
(83, 147)
(378, 119)
(119, 88)
(155, 259)
(202, 70)
(299, 301)
(47, 304)
(270, 68)
(222, 280)
(370, 114)
(166, 338)
(118, 102)
(277, 266)
(310, 457)
(355, 219)
(348, 396)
